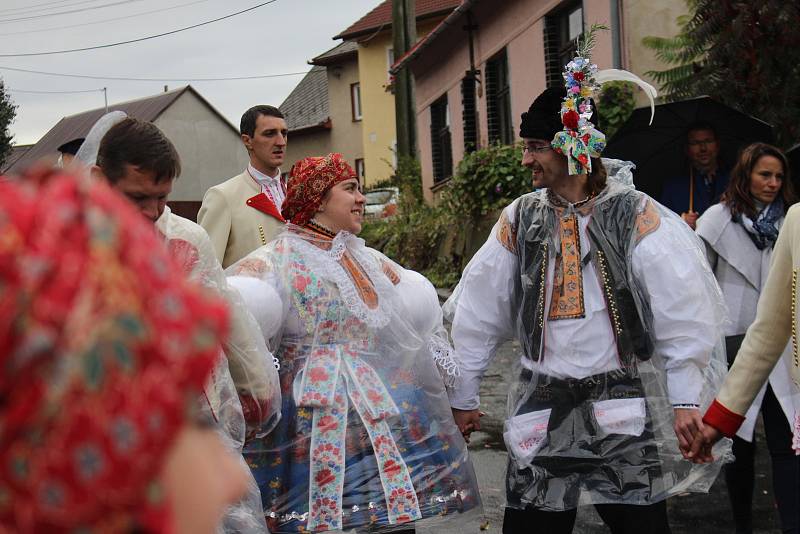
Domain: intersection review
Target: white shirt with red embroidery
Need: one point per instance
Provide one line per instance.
(684, 326)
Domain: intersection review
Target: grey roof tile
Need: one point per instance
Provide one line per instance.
(336, 54)
(307, 104)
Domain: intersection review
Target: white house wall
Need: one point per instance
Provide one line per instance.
(210, 150)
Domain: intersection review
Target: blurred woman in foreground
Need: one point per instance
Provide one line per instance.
(104, 351)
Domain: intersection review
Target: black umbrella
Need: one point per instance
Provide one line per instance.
(658, 150)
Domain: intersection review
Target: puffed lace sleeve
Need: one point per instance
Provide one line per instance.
(421, 308)
(259, 287)
(481, 308)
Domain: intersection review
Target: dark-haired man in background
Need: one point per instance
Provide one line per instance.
(692, 194)
(244, 213)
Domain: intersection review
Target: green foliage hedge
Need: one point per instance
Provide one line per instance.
(431, 239)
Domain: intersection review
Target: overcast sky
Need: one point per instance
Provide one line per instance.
(277, 38)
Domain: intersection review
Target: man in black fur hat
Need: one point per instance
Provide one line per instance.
(619, 322)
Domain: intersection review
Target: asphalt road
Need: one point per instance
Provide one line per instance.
(691, 513)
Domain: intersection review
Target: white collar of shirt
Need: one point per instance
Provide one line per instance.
(262, 178)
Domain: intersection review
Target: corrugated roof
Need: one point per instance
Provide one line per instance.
(307, 104)
(17, 152)
(336, 54)
(380, 18)
(146, 109)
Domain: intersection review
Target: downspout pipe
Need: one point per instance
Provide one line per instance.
(616, 31)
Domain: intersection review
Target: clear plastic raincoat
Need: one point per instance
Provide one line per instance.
(619, 319)
(246, 365)
(243, 393)
(367, 439)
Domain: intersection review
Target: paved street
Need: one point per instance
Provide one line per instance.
(707, 514)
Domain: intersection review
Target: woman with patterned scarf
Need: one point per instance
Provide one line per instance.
(104, 350)
(739, 234)
(366, 439)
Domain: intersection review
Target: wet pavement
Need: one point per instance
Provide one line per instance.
(690, 513)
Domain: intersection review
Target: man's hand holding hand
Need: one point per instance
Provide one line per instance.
(467, 421)
(700, 451)
(688, 423)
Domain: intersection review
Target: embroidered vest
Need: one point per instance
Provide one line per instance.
(615, 225)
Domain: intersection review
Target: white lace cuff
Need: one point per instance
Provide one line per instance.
(445, 358)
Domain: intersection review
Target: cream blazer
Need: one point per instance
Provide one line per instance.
(239, 218)
(775, 323)
(741, 270)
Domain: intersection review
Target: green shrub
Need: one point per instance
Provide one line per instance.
(414, 235)
(487, 180)
(615, 104)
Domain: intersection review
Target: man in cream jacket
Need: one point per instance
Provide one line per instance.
(244, 212)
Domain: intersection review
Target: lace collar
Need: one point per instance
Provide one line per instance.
(323, 256)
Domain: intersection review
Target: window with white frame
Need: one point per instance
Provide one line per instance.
(360, 172)
(355, 100)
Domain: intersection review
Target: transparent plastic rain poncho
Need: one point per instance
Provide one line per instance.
(243, 393)
(635, 329)
(245, 375)
(367, 438)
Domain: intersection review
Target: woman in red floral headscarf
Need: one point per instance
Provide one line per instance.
(367, 438)
(104, 349)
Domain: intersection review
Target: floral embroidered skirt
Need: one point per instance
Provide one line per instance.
(424, 434)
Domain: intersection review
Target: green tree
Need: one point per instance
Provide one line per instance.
(8, 110)
(745, 54)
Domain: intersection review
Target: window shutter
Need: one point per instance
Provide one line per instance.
(441, 147)
(492, 113)
(498, 100)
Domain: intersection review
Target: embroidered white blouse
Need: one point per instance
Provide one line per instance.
(686, 326)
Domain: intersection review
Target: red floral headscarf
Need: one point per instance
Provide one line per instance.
(103, 347)
(309, 180)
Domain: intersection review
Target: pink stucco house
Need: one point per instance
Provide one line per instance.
(483, 65)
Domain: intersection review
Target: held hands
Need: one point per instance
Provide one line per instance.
(467, 421)
(688, 424)
(695, 439)
(700, 451)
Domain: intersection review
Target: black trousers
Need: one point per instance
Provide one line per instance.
(740, 475)
(620, 518)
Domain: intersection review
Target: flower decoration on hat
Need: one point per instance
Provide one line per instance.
(579, 140)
